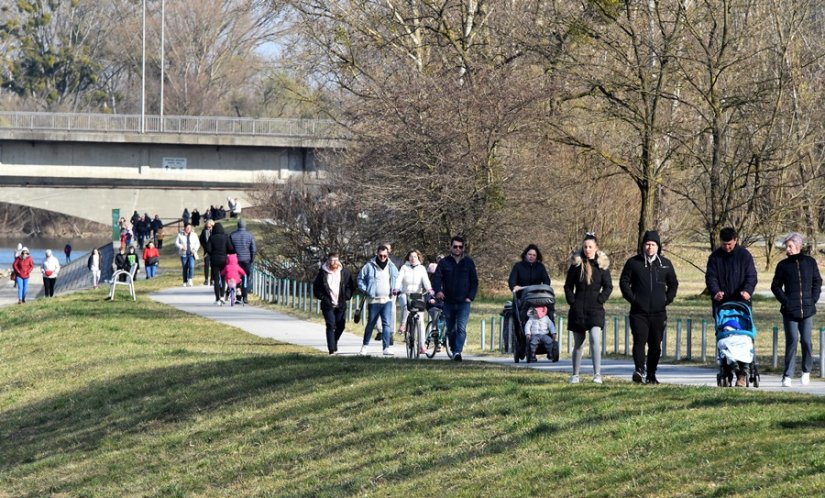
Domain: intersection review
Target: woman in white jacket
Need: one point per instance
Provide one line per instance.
(412, 278)
(50, 269)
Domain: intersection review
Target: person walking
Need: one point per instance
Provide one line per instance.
(797, 285)
(188, 245)
(529, 271)
(219, 247)
(207, 261)
(22, 266)
(245, 248)
(648, 282)
(94, 264)
(587, 287)
(50, 268)
(151, 259)
(412, 278)
(455, 281)
(67, 250)
(377, 280)
(333, 286)
(731, 273)
(132, 261)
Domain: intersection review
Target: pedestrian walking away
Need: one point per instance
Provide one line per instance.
(67, 250)
(455, 281)
(50, 269)
(187, 244)
(244, 244)
(377, 280)
(207, 262)
(218, 248)
(333, 287)
(587, 287)
(797, 285)
(648, 282)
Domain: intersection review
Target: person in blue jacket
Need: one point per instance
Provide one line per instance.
(377, 281)
(731, 273)
(456, 282)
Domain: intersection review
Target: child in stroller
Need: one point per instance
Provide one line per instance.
(539, 330)
(735, 333)
(517, 317)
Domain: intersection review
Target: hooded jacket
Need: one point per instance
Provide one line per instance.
(797, 285)
(366, 277)
(23, 266)
(587, 300)
(322, 291)
(219, 246)
(649, 286)
(232, 270)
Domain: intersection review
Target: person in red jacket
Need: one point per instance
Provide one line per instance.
(22, 266)
(151, 260)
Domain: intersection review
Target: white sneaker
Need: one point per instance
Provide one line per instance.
(574, 379)
(806, 379)
(363, 351)
(184, 284)
(218, 303)
(786, 382)
(597, 379)
(189, 282)
(388, 352)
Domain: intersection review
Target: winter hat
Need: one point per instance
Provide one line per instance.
(652, 236)
(732, 324)
(241, 223)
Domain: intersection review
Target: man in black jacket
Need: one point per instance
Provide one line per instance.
(731, 273)
(649, 284)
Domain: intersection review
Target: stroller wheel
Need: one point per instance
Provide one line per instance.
(719, 382)
(755, 380)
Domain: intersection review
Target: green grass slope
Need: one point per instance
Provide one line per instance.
(120, 398)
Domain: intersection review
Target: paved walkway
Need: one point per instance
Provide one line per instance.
(199, 300)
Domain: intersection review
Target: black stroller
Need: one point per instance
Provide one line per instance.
(515, 317)
(735, 336)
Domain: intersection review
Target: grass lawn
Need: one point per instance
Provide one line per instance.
(120, 398)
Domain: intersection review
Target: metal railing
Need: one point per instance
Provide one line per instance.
(190, 125)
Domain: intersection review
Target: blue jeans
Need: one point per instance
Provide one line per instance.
(335, 320)
(456, 316)
(187, 263)
(384, 310)
(151, 271)
(793, 330)
(22, 287)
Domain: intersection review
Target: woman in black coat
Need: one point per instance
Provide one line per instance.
(796, 285)
(529, 271)
(218, 247)
(587, 287)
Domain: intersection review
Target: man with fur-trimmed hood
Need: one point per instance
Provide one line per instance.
(648, 282)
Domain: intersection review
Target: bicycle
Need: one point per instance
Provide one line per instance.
(412, 339)
(436, 336)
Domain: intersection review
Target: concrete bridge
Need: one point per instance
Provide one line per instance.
(85, 165)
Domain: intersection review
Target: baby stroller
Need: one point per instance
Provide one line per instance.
(735, 335)
(515, 317)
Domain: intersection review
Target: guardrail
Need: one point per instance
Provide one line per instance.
(190, 125)
(680, 337)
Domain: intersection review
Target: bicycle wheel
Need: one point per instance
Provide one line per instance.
(417, 337)
(442, 333)
(431, 339)
(409, 337)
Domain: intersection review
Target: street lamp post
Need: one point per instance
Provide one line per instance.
(143, 73)
(162, 54)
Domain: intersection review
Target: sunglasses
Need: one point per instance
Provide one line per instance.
(457, 246)
(383, 256)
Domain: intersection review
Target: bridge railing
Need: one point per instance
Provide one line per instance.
(196, 125)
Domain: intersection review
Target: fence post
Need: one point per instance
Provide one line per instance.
(493, 337)
(678, 354)
(703, 353)
(626, 335)
(774, 351)
(821, 352)
(664, 341)
(689, 338)
(483, 331)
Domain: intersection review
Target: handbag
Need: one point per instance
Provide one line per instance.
(49, 273)
(152, 261)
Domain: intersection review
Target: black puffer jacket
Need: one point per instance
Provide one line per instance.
(219, 246)
(796, 285)
(587, 300)
(648, 286)
(524, 274)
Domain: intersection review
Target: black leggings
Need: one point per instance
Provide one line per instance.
(219, 285)
(48, 286)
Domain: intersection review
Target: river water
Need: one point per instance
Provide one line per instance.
(37, 248)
